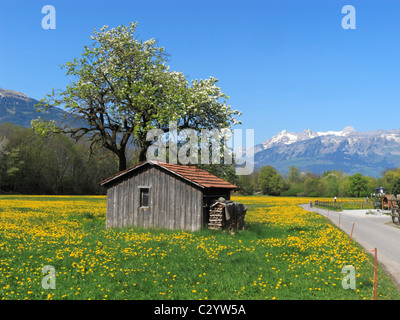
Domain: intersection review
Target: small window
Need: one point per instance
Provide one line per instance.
(144, 197)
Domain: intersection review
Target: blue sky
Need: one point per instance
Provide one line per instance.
(284, 64)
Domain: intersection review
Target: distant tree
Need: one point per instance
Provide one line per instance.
(396, 187)
(383, 173)
(372, 184)
(321, 188)
(294, 175)
(310, 184)
(294, 179)
(270, 181)
(14, 164)
(390, 178)
(344, 187)
(3, 145)
(358, 185)
(333, 181)
(245, 185)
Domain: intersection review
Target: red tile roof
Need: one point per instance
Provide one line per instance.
(191, 173)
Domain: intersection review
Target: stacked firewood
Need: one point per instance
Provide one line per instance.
(220, 218)
(235, 223)
(217, 216)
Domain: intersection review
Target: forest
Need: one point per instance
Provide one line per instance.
(56, 164)
(269, 181)
(50, 164)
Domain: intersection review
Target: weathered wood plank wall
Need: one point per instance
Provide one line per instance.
(173, 202)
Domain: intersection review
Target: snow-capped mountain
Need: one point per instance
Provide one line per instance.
(366, 152)
(287, 138)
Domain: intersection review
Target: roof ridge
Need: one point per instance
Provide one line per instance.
(203, 179)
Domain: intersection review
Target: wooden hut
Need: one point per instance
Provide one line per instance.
(164, 195)
(387, 201)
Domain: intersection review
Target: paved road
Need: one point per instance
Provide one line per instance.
(370, 231)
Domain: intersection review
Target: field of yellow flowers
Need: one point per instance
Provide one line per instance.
(284, 253)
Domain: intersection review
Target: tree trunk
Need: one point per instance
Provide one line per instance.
(122, 160)
(144, 145)
(142, 154)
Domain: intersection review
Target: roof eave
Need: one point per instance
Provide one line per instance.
(118, 175)
(123, 173)
(107, 181)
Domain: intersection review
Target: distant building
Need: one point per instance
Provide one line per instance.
(380, 190)
(387, 201)
(159, 194)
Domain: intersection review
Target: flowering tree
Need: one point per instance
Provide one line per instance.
(121, 87)
(3, 145)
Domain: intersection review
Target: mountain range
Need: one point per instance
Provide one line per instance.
(368, 152)
(17, 108)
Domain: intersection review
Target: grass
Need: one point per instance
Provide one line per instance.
(284, 253)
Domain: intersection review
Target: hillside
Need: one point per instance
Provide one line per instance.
(17, 108)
